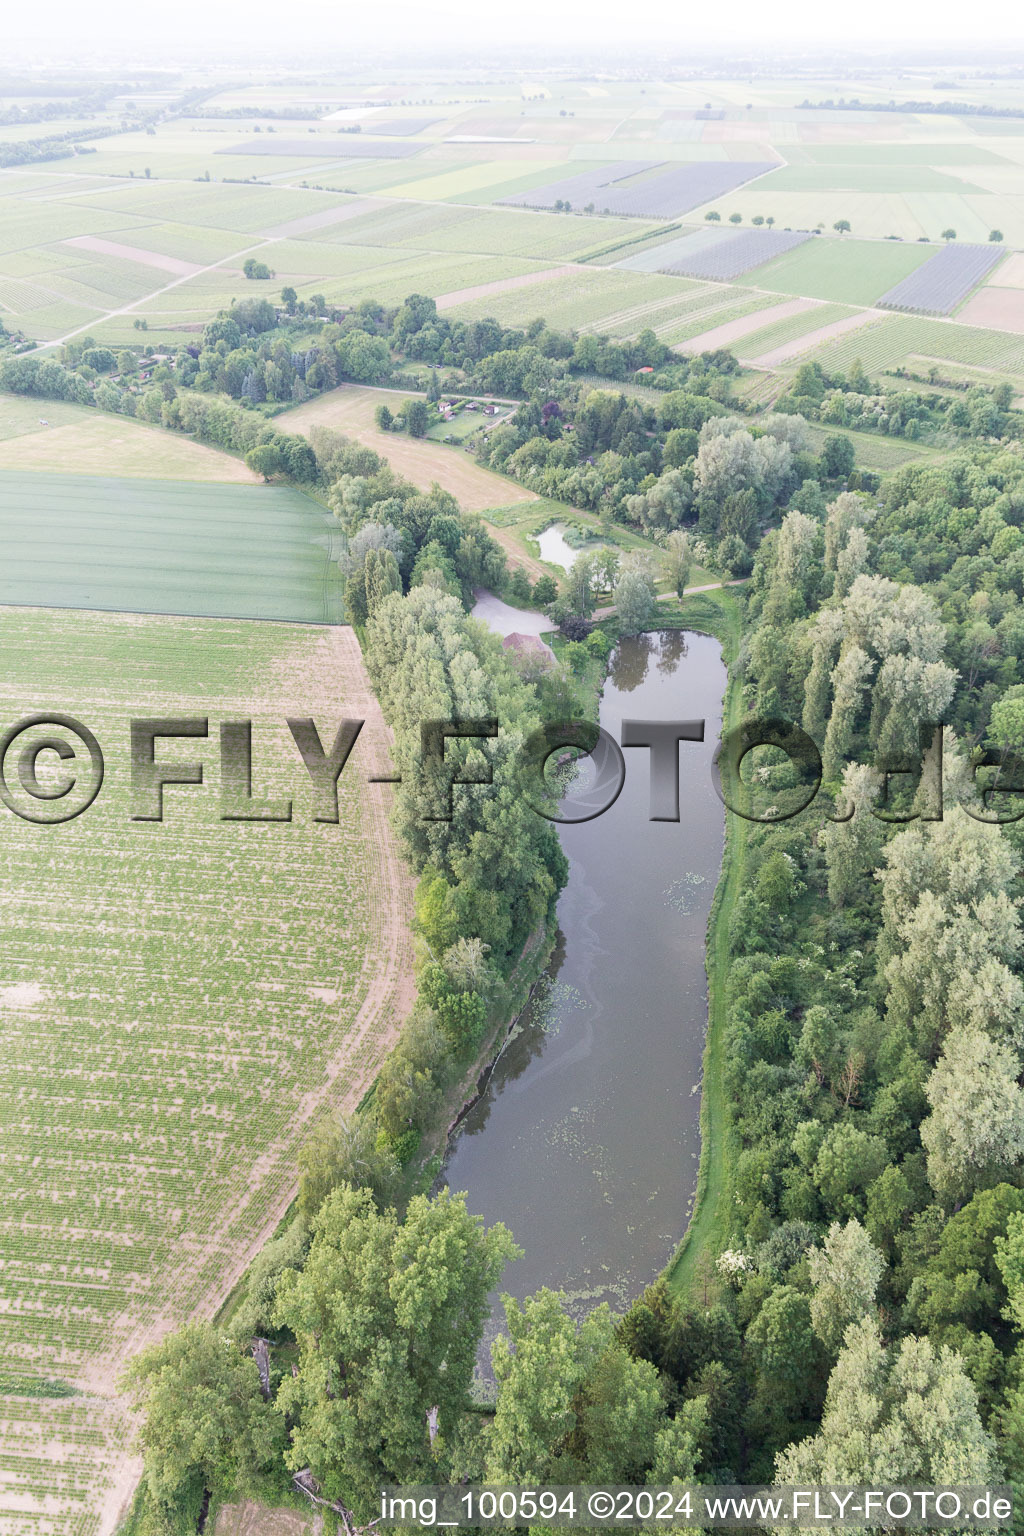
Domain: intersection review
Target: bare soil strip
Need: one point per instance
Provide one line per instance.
(812, 339)
(503, 285)
(1011, 273)
(1000, 309)
(324, 218)
(732, 330)
(132, 253)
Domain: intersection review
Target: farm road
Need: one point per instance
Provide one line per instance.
(670, 597)
(333, 668)
(126, 309)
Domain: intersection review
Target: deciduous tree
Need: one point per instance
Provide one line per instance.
(388, 1315)
(903, 1415)
(845, 1272)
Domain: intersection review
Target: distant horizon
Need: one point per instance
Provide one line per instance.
(993, 61)
(536, 34)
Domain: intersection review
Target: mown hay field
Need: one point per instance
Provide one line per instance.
(55, 436)
(179, 1003)
(351, 409)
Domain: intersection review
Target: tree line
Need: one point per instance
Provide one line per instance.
(979, 412)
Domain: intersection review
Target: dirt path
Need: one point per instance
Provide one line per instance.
(127, 309)
(670, 597)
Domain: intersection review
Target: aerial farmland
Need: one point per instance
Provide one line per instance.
(185, 1006)
(507, 195)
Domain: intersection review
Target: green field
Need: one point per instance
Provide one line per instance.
(482, 231)
(951, 153)
(159, 546)
(180, 1002)
(54, 436)
(462, 425)
(872, 215)
(846, 271)
(873, 450)
(597, 298)
(430, 223)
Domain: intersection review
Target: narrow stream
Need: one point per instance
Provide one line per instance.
(586, 1140)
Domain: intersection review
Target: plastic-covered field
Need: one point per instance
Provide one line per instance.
(644, 188)
(343, 146)
(406, 125)
(723, 254)
(937, 287)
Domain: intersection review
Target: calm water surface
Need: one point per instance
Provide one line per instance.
(586, 1139)
(553, 547)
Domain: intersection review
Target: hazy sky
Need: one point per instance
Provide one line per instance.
(223, 30)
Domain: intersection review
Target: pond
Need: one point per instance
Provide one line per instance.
(553, 547)
(586, 1139)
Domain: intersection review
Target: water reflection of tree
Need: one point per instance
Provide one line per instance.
(630, 661)
(673, 649)
(532, 1035)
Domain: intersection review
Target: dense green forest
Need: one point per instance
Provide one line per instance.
(859, 1319)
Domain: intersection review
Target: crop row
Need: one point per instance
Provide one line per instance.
(54, 1460)
(896, 341)
(777, 333)
(142, 1136)
(160, 1139)
(714, 316)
